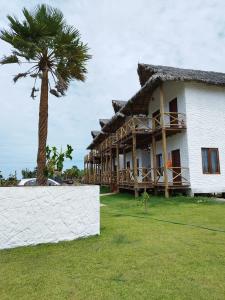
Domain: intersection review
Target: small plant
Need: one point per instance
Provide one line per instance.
(55, 160)
(145, 198)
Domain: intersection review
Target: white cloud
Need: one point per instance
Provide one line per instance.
(120, 34)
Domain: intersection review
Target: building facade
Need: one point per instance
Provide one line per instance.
(169, 136)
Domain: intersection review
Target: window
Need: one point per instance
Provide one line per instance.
(159, 164)
(210, 161)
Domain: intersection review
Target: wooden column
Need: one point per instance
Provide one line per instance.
(134, 162)
(164, 146)
(124, 158)
(110, 167)
(94, 169)
(118, 165)
(101, 167)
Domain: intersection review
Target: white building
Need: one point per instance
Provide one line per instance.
(185, 113)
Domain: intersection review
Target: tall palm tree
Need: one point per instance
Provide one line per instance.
(56, 56)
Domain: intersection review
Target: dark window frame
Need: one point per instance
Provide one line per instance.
(209, 157)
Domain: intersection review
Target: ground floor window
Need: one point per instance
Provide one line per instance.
(210, 161)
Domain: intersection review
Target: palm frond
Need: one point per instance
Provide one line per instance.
(19, 76)
(54, 92)
(11, 59)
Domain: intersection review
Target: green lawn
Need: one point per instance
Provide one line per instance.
(175, 251)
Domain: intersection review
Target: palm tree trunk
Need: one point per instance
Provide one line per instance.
(42, 130)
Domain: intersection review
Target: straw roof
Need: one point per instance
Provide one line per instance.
(152, 76)
(118, 104)
(94, 133)
(103, 122)
(97, 140)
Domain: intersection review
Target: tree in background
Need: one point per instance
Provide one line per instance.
(54, 50)
(26, 173)
(73, 173)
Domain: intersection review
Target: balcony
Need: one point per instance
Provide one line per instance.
(171, 121)
(93, 155)
(108, 143)
(135, 124)
(177, 177)
(144, 177)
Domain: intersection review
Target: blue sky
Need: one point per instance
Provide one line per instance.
(120, 34)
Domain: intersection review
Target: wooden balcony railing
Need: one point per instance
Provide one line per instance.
(108, 143)
(92, 155)
(144, 175)
(177, 176)
(171, 120)
(134, 124)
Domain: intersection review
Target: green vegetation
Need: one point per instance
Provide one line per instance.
(175, 250)
(104, 190)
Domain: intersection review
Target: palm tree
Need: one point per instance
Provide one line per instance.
(56, 56)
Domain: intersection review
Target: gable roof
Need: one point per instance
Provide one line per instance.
(102, 122)
(94, 133)
(97, 140)
(146, 71)
(152, 76)
(118, 104)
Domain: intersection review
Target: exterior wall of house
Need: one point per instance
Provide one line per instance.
(174, 142)
(205, 108)
(179, 141)
(34, 215)
(171, 90)
(144, 160)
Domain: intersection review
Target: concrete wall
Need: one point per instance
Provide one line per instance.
(33, 215)
(205, 107)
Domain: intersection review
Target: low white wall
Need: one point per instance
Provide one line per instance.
(33, 215)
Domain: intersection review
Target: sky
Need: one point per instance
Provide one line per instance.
(120, 34)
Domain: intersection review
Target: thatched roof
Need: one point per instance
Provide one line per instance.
(97, 140)
(152, 76)
(102, 122)
(94, 133)
(166, 73)
(118, 104)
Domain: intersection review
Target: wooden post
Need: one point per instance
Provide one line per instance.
(134, 162)
(118, 166)
(101, 167)
(94, 169)
(110, 168)
(153, 152)
(124, 158)
(164, 146)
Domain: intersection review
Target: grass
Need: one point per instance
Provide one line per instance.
(104, 189)
(174, 251)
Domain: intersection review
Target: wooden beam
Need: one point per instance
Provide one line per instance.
(134, 162)
(164, 145)
(124, 158)
(101, 166)
(118, 166)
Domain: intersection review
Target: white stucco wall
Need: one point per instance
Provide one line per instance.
(33, 215)
(179, 141)
(171, 90)
(205, 108)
